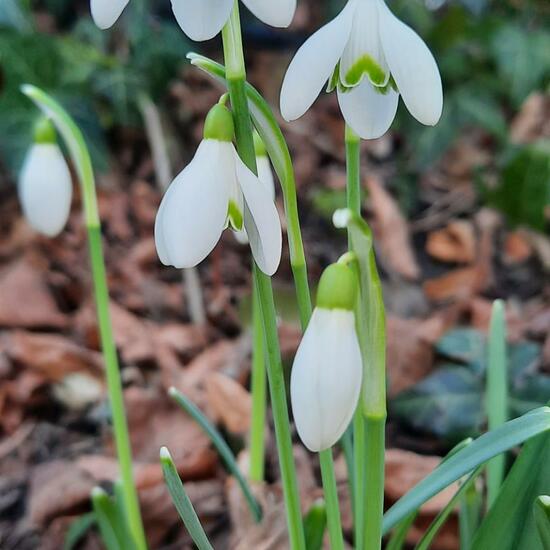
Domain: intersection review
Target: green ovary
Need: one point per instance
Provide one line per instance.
(365, 64)
(235, 216)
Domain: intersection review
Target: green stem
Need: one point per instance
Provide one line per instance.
(258, 390)
(359, 463)
(374, 481)
(353, 195)
(236, 79)
(331, 499)
(81, 158)
(370, 419)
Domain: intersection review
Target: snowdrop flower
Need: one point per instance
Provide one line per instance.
(265, 175)
(371, 57)
(202, 19)
(45, 188)
(214, 191)
(326, 376)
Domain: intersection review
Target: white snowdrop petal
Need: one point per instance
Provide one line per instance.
(314, 63)
(193, 211)
(368, 112)
(412, 66)
(265, 175)
(106, 12)
(45, 189)
(277, 13)
(201, 19)
(363, 54)
(261, 219)
(326, 378)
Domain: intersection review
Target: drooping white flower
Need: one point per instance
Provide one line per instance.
(202, 19)
(45, 187)
(371, 57)
(327, 372)
(214, 191)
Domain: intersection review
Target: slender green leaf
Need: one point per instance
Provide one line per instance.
(542, 520)
(482, 449)
(315, 523)
(182, 502)
(399, 534)
(469, 516)
(78, 529)
(510, 523)
(430, 534)
(221, 446)
(105, 513)
(496, 394)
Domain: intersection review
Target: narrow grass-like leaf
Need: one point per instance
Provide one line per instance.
(78, 529)
(315, 523)
(510, 523)
(542, 519)
(182, 502)
(430, 534)
(497, 394)
(469, 516)
(399, 534)
(105, 513)
(478, 452)
(221, 446)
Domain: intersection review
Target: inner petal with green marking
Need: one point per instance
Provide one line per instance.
(365, 65)
(234, 216)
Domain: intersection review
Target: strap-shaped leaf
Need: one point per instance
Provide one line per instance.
(542, 519)
(221, 446)
(510, 523)
(182, 503)
(482, 449)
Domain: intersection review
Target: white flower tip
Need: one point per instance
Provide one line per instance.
(341, 218)
(106, 12)
(97, 492)
(172, 391)
(165, 454)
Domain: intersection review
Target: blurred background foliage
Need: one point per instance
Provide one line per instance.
(492, 55)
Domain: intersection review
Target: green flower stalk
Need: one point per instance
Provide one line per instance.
(81, 158)
(236, 82)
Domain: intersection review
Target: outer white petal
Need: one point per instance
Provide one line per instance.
(364, 40)
(367, 111)
(193, 211)
(106, 12)
(261, 220)
(277, 13)
(265, 175)
(314, 63)
(325, 382)
(45, 189)
(412, 66)
(201, 19)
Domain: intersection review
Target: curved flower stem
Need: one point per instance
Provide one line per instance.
(81, 158)
(236, 78)
(331, 499)
(276, 146)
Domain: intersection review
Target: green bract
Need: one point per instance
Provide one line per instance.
(44, 131)
(337, 288)
(219, 124)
